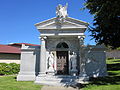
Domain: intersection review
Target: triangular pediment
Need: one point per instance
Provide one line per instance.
(69, 23)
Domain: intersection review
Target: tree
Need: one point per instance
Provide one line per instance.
(106, 23)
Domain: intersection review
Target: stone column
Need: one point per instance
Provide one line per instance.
(82, 57)
(42, 56)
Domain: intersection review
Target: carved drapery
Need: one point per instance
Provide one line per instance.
(73, 61)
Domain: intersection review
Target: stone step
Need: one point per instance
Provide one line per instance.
(52, 83)
(59, 80)
(55, 83)
(61, 76)
(56, 80)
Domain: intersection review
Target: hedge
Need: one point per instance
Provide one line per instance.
(8, 69)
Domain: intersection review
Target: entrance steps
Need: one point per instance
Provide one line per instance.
(59, 80)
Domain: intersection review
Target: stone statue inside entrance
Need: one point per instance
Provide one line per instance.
(61, 12)
(73, 60)
(50, 63)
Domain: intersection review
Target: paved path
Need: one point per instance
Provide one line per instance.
(57, 88)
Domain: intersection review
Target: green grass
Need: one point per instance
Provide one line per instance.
(10, 83)
(103, 87)
(111, 82)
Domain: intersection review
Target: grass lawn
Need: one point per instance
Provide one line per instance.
(111, 82)
(10, 83)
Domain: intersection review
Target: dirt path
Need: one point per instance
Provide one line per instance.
(58, 88)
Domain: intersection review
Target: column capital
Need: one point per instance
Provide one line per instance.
(81, 37)
(43, 38)
(81, 40)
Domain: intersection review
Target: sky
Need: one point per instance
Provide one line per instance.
(17, 18)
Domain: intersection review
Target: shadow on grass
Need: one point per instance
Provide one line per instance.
(109, 80)
(15, 77)
(117, 61)
(111, 74)
(112, 78)
(113, 67)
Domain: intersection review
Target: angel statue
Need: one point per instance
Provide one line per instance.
(50, 63)
(61, 11)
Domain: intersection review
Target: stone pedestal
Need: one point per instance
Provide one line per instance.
(27, 67)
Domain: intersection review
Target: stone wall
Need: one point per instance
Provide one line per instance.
(72, 42)
(9, 58)
(95, 61)
(113, 54)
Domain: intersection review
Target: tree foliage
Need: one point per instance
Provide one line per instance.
(106, 23)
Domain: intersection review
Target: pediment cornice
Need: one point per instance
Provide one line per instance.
(69, 23)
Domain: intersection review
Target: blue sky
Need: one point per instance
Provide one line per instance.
(17, 18)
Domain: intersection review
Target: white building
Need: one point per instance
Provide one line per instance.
(63, 59)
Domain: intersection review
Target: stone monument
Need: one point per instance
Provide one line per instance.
(62, 58)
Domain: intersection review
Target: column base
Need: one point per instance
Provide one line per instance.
(41, 74)
(26, 76)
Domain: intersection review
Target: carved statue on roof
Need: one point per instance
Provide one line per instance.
(61, 12)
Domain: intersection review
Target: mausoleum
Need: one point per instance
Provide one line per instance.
(62, 58)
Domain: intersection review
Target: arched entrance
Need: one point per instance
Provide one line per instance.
(62, 59)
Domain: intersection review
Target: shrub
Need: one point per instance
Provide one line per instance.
(8, 69)
(110, 58)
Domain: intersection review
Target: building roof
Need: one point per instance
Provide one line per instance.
(9, 49)
(20, 44)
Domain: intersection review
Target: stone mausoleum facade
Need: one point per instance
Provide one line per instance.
(62, 58)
